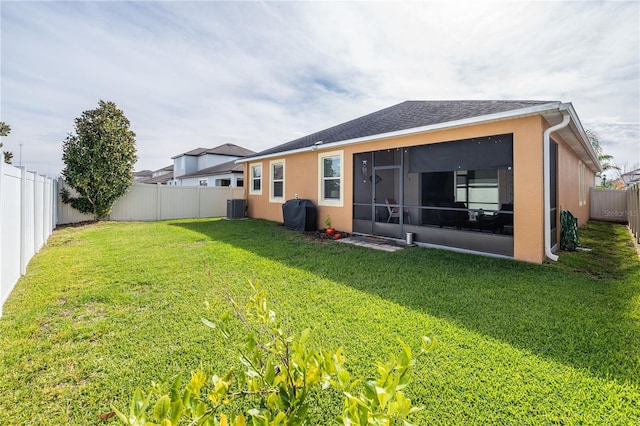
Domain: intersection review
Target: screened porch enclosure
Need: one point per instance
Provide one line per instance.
(457, 194)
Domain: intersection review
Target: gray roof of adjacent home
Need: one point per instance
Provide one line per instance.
(403, 116)
(162, 179)
(142, 174)
(228, 149)
(219, 169)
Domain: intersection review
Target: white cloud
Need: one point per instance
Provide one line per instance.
(199, 74)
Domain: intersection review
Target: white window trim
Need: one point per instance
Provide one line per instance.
(273, 199)
(251, 190)
(330, 202)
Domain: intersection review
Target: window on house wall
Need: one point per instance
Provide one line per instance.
(204, 182)
(276, 187)
(330, 183)
(478, 189)
(255, 177)
(240, 183)
(223, 182)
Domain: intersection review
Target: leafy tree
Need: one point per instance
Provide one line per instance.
(5, 129)
(99, 160)
(604, 159)
(623, 168)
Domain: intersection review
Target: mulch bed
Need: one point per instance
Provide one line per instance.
(321, 235)
(76, 224)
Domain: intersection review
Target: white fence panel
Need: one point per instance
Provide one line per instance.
(26, 222)
(11, 181)
(608, 205)
(38, 210)
(28, 232)
(65, 213)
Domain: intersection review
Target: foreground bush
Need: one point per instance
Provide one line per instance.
(278, 373)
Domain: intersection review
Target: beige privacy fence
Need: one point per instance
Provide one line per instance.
(617, 206)
(27, 219)
(633, 209)
(145, 202)
(608, 205)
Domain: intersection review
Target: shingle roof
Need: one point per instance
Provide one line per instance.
(142, 174)
(224, 168)
(229, 149)
(162, 179)
(194, 152)
(403, 116)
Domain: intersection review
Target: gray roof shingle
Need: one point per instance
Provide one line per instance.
(229, 149)
(403, 116)
(224, 168)
(162, 179)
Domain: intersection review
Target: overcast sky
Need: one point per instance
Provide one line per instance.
(200, 74)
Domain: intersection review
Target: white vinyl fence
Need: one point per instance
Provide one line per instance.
(27, 219)
(30, 208)
(144, 202)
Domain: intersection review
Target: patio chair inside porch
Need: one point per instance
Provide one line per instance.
(394, 211)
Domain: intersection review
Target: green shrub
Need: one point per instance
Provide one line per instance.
(279, 372)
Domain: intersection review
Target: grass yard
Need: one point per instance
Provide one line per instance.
(111, 306)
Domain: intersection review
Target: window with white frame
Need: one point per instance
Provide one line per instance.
(255, 177)
(330, 182)
(204, 182)
(276, 183)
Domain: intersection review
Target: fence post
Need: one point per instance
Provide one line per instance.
(634, 211)
(199, 197)
(158, 201)
(54, 205)
(35, 206)
(23, 220)
(1, 223)
(45, 220)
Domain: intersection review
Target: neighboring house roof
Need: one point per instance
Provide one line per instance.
(162, 179)
(142, 174)
(631, 177)
(228, 149)
(168, 168)
(161, 176)
(219, 169)
(421, 116)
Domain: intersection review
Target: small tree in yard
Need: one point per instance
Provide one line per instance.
(604, 159)
(280, 376)
(5, 129)
(99, 160)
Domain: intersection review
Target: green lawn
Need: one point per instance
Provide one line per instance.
(111, 306)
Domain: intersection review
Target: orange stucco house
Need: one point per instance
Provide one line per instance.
(481, 176)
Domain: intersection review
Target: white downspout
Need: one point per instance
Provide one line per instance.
(547, 185)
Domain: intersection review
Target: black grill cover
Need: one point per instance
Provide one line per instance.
(299, 215)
